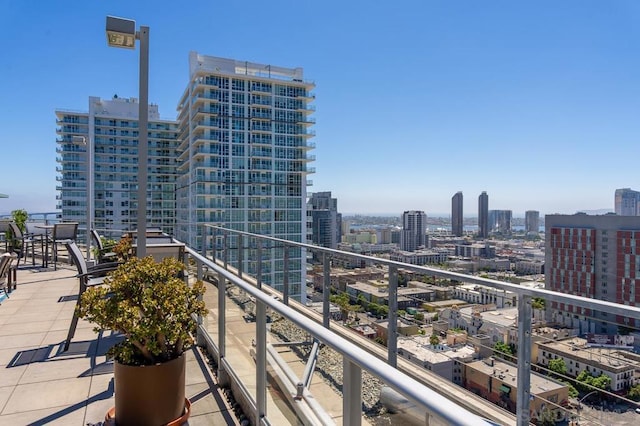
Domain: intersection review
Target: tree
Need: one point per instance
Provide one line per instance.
(419, 316)
(402, 280)
(503, 350)
(586, 382)
(434, 340)
(342, 300)
(634, 393)
(558, 366)
(362, 301)
(537, 303)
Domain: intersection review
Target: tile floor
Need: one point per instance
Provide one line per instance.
(40, 384)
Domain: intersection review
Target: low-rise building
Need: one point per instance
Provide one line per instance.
(578, 355)
(422, 257)
(484, 295)
(475, 250)
(496, 381)
(499, 324)
(340, 277)
(404, 329)
(529, 267)
(443, 360)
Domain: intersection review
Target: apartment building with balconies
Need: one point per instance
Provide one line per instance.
(100, 146)
(244, 132)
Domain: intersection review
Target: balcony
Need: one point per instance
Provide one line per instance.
(262, 364)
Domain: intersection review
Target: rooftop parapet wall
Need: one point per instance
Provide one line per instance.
(202, 63)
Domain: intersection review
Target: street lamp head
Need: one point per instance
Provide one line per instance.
(121, 32)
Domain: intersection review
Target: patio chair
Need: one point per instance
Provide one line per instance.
(88, 276)
(4, 227)
(21, 243)
(104, 254)
(160, 251)
(62, 233)
(5, 270)
(39, 234)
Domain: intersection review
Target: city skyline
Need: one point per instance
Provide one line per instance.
(515, 97)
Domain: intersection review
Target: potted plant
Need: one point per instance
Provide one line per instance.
(153, 309)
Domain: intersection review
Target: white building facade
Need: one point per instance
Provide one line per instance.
(244, 160)
(110, 127)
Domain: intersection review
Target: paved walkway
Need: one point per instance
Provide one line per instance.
(40, 384)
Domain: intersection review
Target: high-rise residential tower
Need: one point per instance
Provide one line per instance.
(326, 222)
(111, 127)
(244, 143)
(483, 215)
(456, 214)
(596, 257)
(627, 202)
(414, 230)
(532, 222)
(500, 221)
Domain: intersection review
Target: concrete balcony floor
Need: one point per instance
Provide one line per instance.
(41, 384)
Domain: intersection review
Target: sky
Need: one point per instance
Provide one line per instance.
(535, 102)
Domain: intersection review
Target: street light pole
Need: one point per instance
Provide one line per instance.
(143, 148)
(121, 33)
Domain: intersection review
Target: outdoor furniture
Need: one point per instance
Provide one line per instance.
(104, 254)
(4, 227)
(88, 276)
(38, 233)
(62, 233)
(163, 250)
(5, 273)
(21, 243)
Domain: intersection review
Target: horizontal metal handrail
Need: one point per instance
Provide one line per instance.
(600, 305)
(415, 391)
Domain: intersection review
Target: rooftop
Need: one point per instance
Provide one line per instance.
(41, 384)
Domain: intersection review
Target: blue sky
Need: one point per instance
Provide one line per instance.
(535, 102)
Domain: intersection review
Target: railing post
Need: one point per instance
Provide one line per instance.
(240, 238)
(261, 345)
(392, 329)
(261, 361)
(222, 291)
(285, 277)
(326, 289)
(524, 360)
(351, 393)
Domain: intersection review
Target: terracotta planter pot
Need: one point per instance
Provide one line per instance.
(150, 395)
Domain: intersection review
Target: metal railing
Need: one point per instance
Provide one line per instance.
(441, 410)
(356, 359)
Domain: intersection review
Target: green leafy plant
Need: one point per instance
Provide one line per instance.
(20, 216)
(107, 244)
(124, 248)
(147, 303)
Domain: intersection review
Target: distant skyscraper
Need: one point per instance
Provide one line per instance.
(500, 221)
(326, 226)
(595, 257)
(532, 221)
(414, 230)
(483, 215)
(627, 202)
(456, 214)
